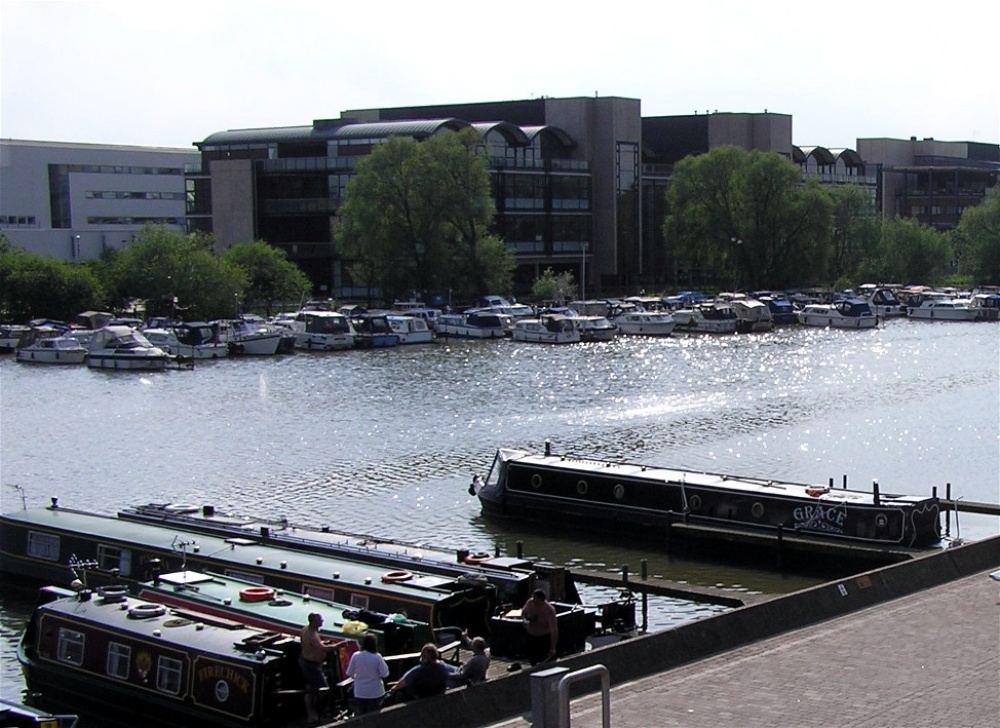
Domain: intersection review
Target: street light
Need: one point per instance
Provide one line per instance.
(736, 262)
(583, 271)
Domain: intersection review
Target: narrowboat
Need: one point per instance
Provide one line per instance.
(632, 499)
(39, 543)
(514, 578)
(16, 715)
(140, 663)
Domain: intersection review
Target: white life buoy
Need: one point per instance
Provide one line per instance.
(145, 611)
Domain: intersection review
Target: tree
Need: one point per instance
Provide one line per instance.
(271, 277)
(855, 234)
(912, 253)
(554, 287)
(748, 217)
(978, 240)
(36, 286)
(416, 217)
(178, 273)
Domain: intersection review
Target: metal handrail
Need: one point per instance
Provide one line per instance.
(572, 677)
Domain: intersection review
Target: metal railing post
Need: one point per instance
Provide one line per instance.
(576, 676)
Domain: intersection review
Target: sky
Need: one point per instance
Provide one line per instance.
(156, 73)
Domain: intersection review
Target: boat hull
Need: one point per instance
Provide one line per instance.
(153, 363)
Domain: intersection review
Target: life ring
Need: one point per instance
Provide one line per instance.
(757, 509)
(536, 481)
(816, 491)
(581, 487)
(256, 594)
(181, 508)
(477, 558)
(145, 611)
(694, 502)
(393, 577)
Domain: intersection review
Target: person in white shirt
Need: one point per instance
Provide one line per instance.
(368, 670)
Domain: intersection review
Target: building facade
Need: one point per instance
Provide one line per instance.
(74, 201)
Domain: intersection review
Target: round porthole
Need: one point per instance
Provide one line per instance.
(581, 487)
(881, 521)
(536, 481)
(619, 491)
(694, 503)
(757, 510)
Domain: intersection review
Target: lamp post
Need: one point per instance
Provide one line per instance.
(583, 271)
(737, 242)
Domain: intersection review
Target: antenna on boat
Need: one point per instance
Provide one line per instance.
(178, 544)
(24, 496)
(79, 567)
(957, 541)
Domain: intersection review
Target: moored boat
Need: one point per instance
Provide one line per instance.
(16, 715)
(853, 313)
(52, 350)
(629, 498)
(318, 330)
(189, 340)
(546, 329)
(595, 328)
(752, 315)
(475, 324)
(645, 323)
(942, 308)
(715, 317)
(987, 306)
(410, 329)
(123, 347)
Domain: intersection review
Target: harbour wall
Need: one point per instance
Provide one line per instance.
(510, 696)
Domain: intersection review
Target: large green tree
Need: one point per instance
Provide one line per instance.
(978, 240)
(855, 234)
(912, 253)
(36, 286)
(748, 217)
(416, 216)
(178, 274)
(271, 277)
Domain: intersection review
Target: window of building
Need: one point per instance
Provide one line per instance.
(119, 658)
(43, 546)
(168, 675)
(70, 646)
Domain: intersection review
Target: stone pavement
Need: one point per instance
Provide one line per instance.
(930, 659)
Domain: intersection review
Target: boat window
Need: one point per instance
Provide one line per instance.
(119, 657)
(70, 648)
(112, 557)
(168, 675)
(359, 600)
(318, 592)
(43, 546)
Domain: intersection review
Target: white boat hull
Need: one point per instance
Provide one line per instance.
(254, 345)
(57, 356)
(323, 342)
(125, 362)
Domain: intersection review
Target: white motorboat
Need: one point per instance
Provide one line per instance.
(547, 329)
(252, 337)
(987, 306)
(852, 313)
(884, 301)
(123, 347)
(940, 308)
(645, 323)
(322, 331)
(410, 329)
(752, 315)
(595, 328)
(191, 340)
(717, 317)
(11, 336)
(475, 324)
(53, 350)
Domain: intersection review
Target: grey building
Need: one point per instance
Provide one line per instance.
(73, 201)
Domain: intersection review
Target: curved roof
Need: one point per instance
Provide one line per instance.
(554, 133)
(822, 154)
(262, 136)
(850, 157)
(510, 132)
(418, 128)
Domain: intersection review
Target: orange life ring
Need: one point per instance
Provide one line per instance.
(392, 577)
(477, 558)
(256, 594)
(816, 491)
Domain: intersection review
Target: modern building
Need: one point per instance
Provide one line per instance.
(73, 201)
(930, 180)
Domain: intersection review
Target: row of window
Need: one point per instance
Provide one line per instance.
(135, 221)
(121, 195)
(114, 169)
(18, 221)
(71, 648)
(936, 210)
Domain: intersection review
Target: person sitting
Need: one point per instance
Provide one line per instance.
(429, 677)
(474, 669)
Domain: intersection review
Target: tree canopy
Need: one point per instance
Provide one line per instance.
(416, 217)
(35, 286)
(978, 240)
(271, 277)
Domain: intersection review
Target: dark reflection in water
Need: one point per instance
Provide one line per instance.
(386, 441)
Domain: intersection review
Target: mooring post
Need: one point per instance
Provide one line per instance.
(947, 510)
(831, 482)
(644, 570)
(875, 493)
(845, 481)
(520, 549)
(496, 551)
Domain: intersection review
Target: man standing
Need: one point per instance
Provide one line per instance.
(543, 630)
(311, 659)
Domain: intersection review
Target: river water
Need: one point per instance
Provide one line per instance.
(386, 441)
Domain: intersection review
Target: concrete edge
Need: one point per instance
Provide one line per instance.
(510, 696)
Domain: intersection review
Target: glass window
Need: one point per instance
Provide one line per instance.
(168, 675)
(70, 646)
(112, 557)
(43, 546)
(119, 657)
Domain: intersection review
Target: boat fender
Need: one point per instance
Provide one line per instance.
(145, 611)
(354, 627)
(536, 481)
(256, 594)
(478, 558)
(393, 577)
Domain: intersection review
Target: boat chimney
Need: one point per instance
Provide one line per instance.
(461, 555)
(55, 502)
(265, 532)
(208, 511)
(548, 450)
(875, 492)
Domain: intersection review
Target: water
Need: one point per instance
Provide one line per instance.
(387, 441)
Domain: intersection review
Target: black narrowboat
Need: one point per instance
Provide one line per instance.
(642, 499)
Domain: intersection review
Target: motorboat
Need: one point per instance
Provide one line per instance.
(317, 330)
(595, 328)
(636, 499)
(752, 315)
(123, 347)
(716, 317)
(475, 324)
(52, 350)
(410, 329)
(850, 313)
(11, 336)
(249, 337)
(546, 329)
(372, 331)
(645, 323)
(782, 310)
(987, 305)
(942, 308)
(885, 302)
(189, 340)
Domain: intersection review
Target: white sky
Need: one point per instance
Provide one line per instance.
(171, 72)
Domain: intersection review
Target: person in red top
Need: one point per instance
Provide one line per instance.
(543, 630)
